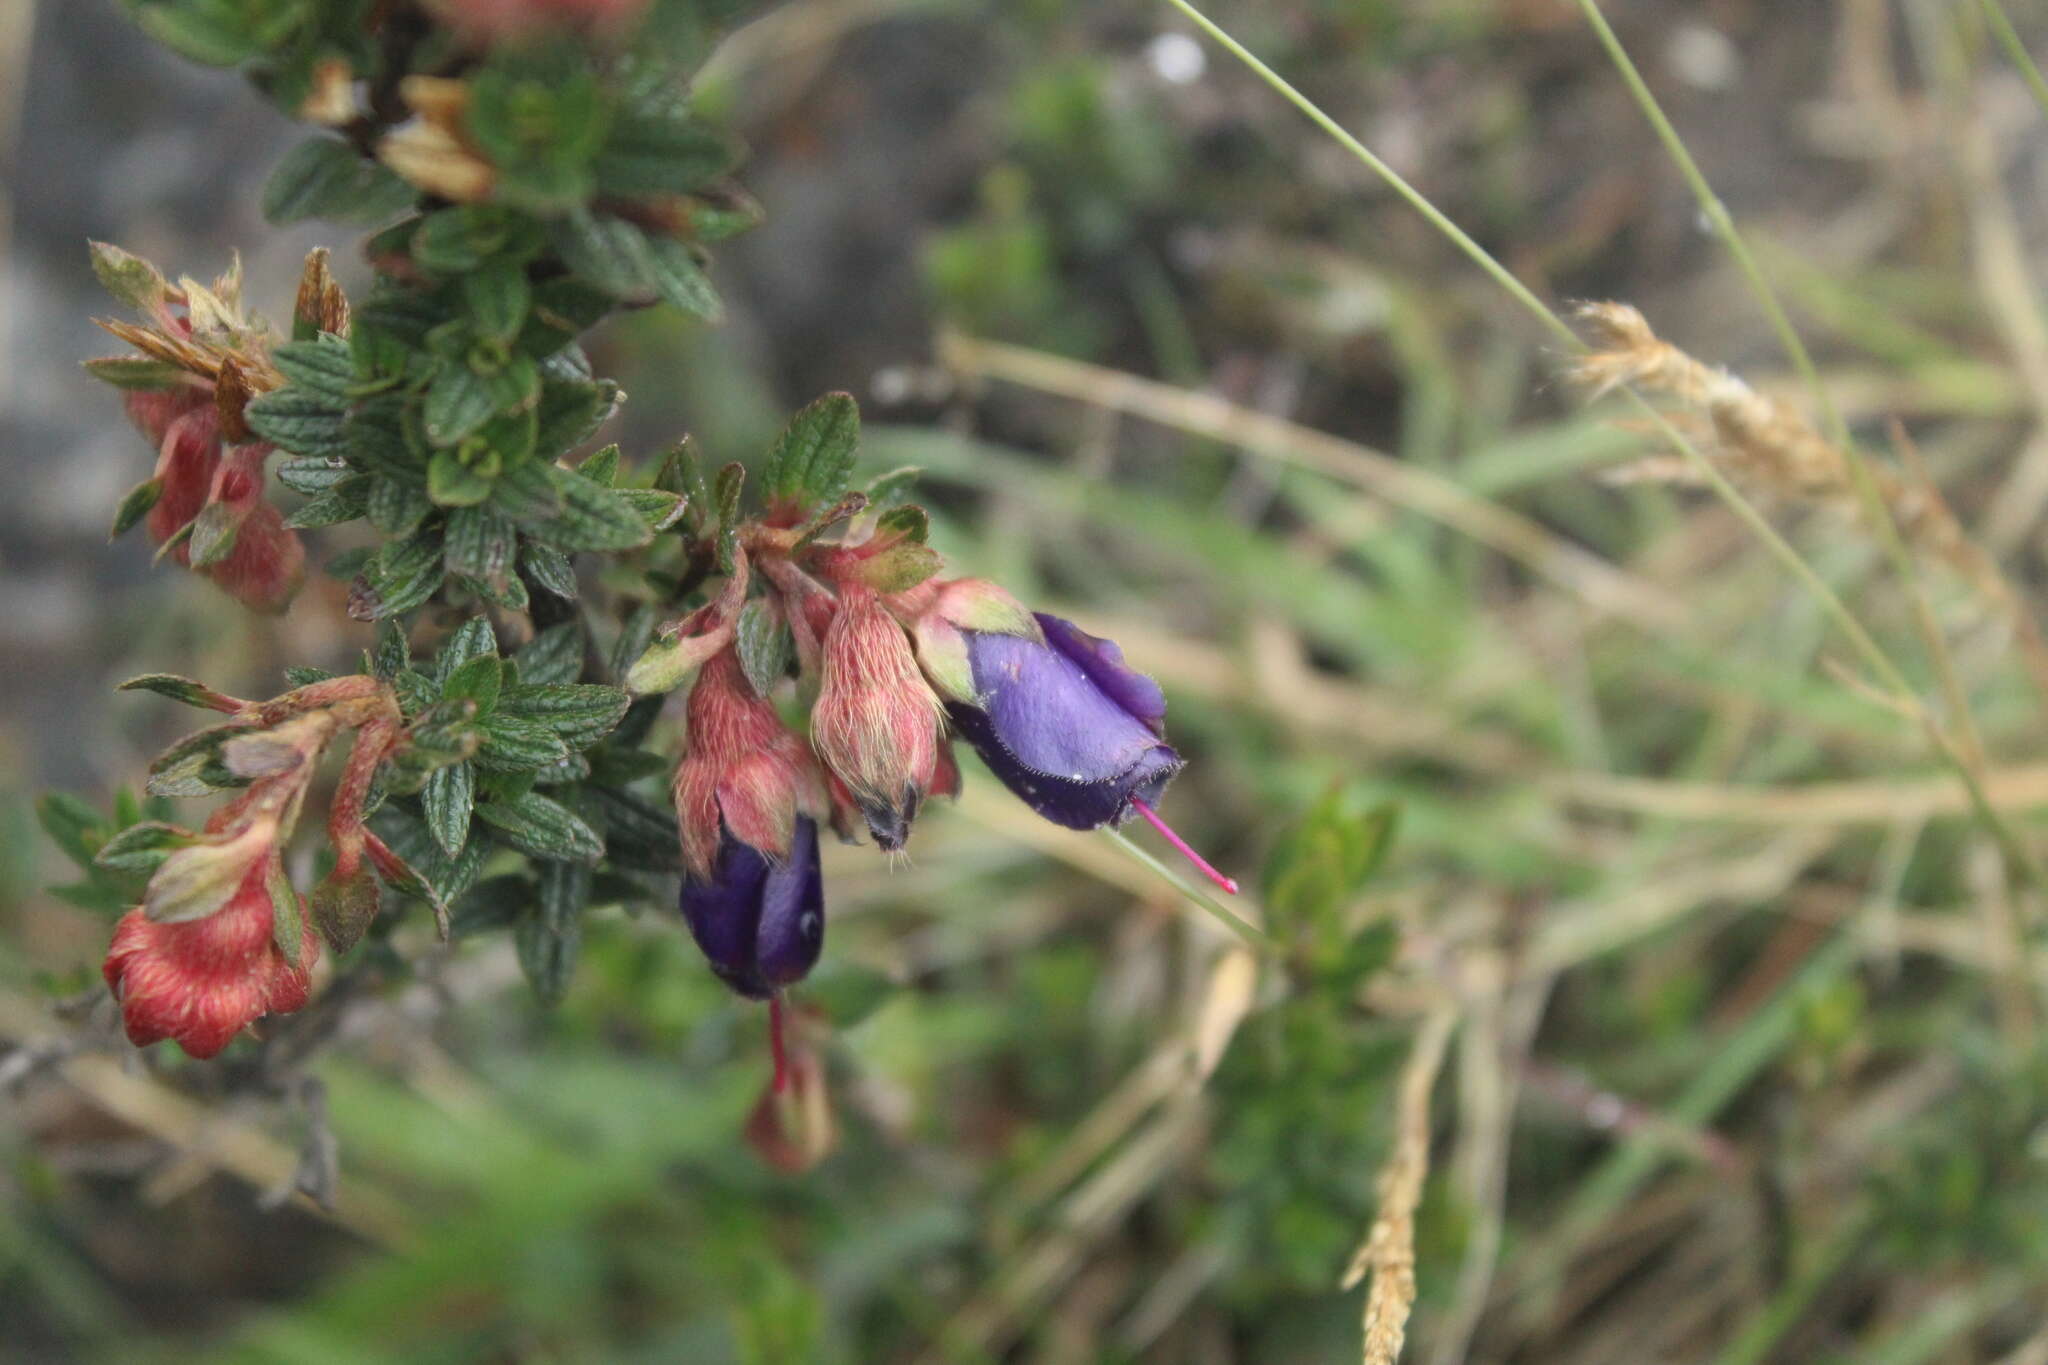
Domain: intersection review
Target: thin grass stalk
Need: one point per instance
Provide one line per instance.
(1968, 758)
(2008, 38)
(1254, 937)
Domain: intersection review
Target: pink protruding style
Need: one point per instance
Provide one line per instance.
(1228, 884)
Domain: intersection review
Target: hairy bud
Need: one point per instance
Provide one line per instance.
(876, 722)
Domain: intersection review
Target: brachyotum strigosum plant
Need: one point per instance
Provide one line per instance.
(531, 167)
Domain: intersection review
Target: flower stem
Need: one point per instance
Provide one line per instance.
(776, 1050)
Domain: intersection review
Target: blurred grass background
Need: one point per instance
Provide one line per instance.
(1742, 1012)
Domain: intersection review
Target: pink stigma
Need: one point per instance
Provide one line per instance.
(775, 1047)
(1152, 818)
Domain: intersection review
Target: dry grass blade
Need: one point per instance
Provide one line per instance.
(1388, 1253)
(1586, 576)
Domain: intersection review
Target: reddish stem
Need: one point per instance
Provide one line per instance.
(1152, 818)
(775, 1044)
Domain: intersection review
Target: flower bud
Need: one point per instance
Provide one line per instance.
(760, 920)
(876, 722)
(267, 562)
(792, 1127)
(746, 775)
(188, 455)
(201, 981)
(1067, 726)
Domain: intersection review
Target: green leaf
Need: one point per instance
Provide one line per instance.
(553, 656)
(447, 798)
(130, 279)
(396, 507)
(458, 240)
(136, 372)
(543, 828)
(564, 890)
(514, 744)
(549, 568)
(377, 442)
(206, 36)
(322, 367)
(603, 467)
(813, 458)
(325, 177)
(73, 825)
(473, 639)
(143, 847)
(1320, 866)
(579, 713)
(445, 877)
(451, 483)
(186, 690)
(399, 577)
(393, 653)
(479, 680)
(313, 475)
(593, 517)
(627, 263)
(547, 955)
(660, 510)
(638, 834)
(135, 505)
(480, 542)
(571, 413)
(732, 481)
(680, 280)
(892, 487)
(494, 903)
(458, 402)
(909, 523)
(287, 920)
(526, 492)
(299, 421)
(213, 533)
(345, 501)
(498, 295)
(902, 568)
(656, 152)
(765, 645)
(608, 252)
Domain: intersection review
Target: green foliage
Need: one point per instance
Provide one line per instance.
(116, 852)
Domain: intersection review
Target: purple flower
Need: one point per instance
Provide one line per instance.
(1068, 726)
(761, 922)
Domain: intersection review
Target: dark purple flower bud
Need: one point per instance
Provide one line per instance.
(1066, 724)
(761, 922)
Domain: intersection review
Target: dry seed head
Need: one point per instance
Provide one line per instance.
(1764, 445)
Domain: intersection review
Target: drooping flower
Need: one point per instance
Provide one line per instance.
(1071, 729)
(876, 722)
(748, 796)
(745, 773)
(760, 920)
(201, 981)
(201, 361)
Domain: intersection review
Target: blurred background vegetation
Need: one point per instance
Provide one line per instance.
(1736, 1012)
